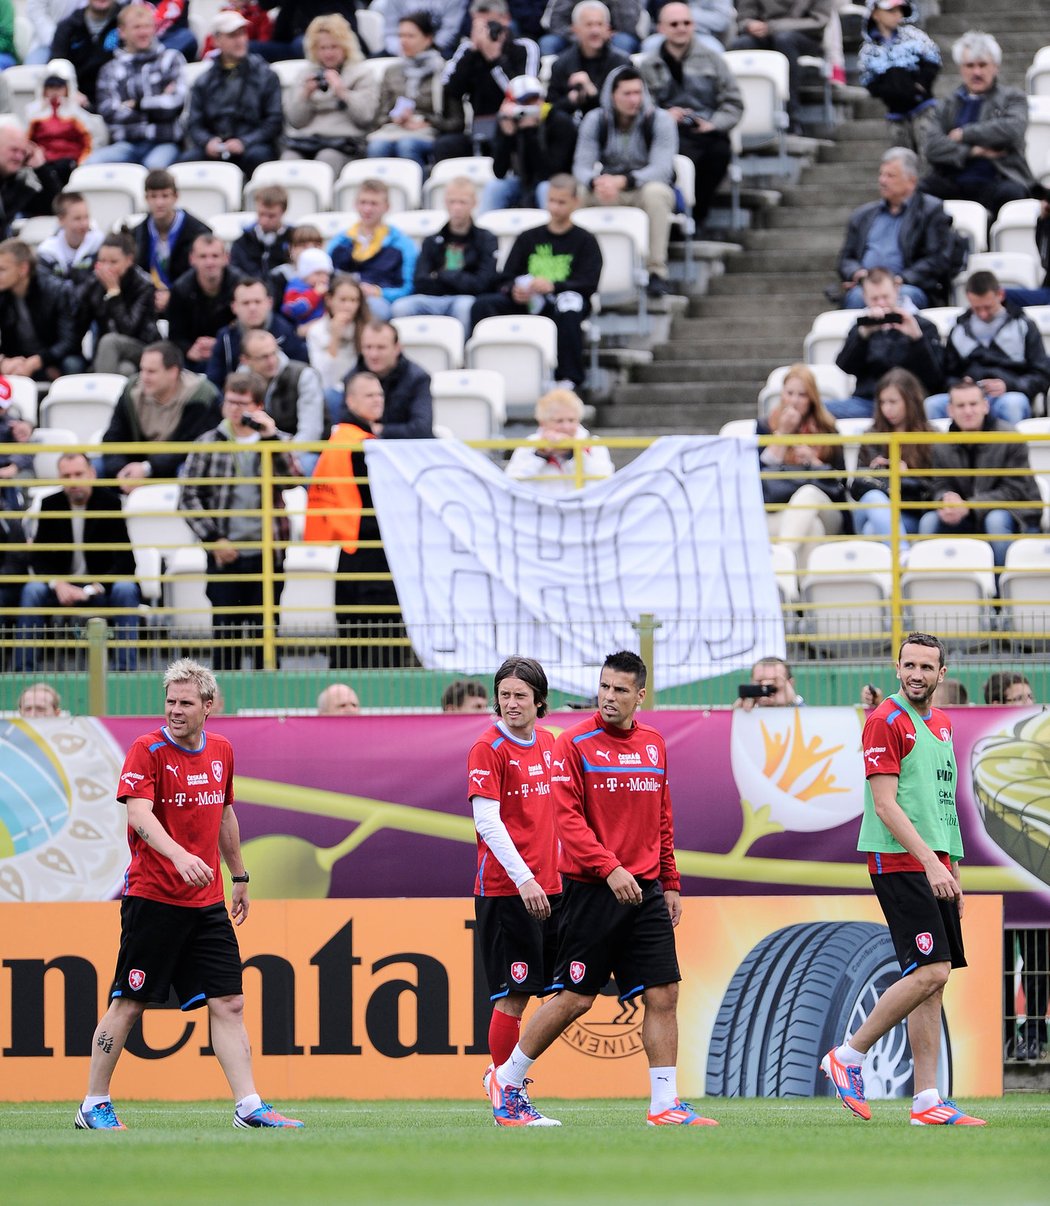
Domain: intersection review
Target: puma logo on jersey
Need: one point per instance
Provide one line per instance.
(559, 762)
(174, 769)
(602, 754)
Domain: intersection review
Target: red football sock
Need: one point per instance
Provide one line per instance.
(504, 1029)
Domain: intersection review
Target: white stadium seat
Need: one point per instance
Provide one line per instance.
(82, 402)
(403, 177)
(309, 183)
(1014, 228)
(523, 349)
(433, 341)
(1024, 587)
(308, 596)
(507, 224)
(475, 167)
(113, 191)
(827, 335)
(418, 224)
(847, 583)
(947, 587)
(469, 403)
(971, 219)
(207, 188)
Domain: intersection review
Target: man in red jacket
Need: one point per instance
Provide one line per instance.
(621, 899)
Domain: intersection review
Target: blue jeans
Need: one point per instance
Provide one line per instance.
(458, 306)
(992, 523)
(501, 194)
(182, 39)
(379, 308)
(871, 517)
(416, 149)
(854, 299)
(37, 593)
(852, 408)
(152, 155)
(1029, 297)
(1007, 408)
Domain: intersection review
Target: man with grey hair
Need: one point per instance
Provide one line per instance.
(622, 15)
(905, 231)
(975, 138)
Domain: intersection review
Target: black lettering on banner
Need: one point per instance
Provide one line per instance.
(27, 996)
(482, 1005)
(431, 993)
(335, 963)
(278, 1004)
(138, 1046)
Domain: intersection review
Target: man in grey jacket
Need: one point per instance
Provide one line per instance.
(975, 138)
(293, 396)
(699, 91)
(625, 156)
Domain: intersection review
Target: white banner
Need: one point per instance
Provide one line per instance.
(486, 567)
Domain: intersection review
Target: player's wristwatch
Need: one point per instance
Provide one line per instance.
(239, 879)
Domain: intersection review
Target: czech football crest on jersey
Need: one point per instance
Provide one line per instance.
(216, 770)
(654, 754)
(577, 971)
(518, 971)
(136, 978)
(924, 942)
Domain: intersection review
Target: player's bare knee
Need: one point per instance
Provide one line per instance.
(124, 1011)
(661, 998)
(934, 976)
(575, 1004)
(227, 1008)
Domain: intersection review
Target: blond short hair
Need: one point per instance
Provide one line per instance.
(185, 670)
(559, 398)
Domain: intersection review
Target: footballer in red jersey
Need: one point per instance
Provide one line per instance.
(175, 933)
(621, 899)
(518, 887)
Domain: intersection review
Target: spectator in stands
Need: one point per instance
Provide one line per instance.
(38, 331)
(260, 31)
(551, 270)
(898, 63)
(96, 568)
(700, 92)
(520, 159)
(622, 15)
(43, 17)
(226, 457)
(898, 407)
(235, 106)
(201, 301)
(1009, 689)
(39, 701)
(88, 39)
(334, 341)
(794, 27)
(173, 27)
(162, 403)
(950, 693)
(303, 301)
(408, 408)
(714, 21)
(997, 345)
(338, 699)
(117, 307)
(293, 394)
(958, 494)
(799, 483)
(480, 71)
(546, 462)
(252, 308)
(28, 183)
(905, 231)
(292, 22)
(264, 246)
(774, 674)
(411, 97)
(304, 237)
(444, 19)
(339, 508)
(58, 124)
(1040, 296)
(465, 695)
(382, 257)
(890, 333)
(975, 138)
(164, 239)
(577, 78)
(70, 252)
(141, 95)
(456, 265)
(14, 429)
(625, 156)
(333, 105)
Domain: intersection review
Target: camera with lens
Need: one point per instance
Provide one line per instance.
(321, 80)
(496, 30)
(252, 422)
(756, 690)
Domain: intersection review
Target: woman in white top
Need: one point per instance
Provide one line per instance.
(334, 341)
(547, 465)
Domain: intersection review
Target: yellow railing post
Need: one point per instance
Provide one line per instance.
(95, 634)
(646, 626)
(893, 455)
(269, 612)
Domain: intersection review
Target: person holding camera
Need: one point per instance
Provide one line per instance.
(520, 159)
(771, 686)
(889, 334)
(696, 87)
(333, 106)
(235, 112)
(217, 484)
(577, 78)
(480, 72)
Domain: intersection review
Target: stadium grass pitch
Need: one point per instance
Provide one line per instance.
(772, 1152)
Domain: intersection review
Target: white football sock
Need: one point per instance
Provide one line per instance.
(849, 1055)
(246, 1104)
(514, 1071)
(925, 1100)
(663, 1089)
(90, 1102)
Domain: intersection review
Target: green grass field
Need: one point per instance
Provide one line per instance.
(766, 1151)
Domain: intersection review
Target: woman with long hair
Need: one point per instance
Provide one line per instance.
(334, 341)
(898, 407)
(800, 469)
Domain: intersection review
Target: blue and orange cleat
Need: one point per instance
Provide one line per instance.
(680, 1114)
(264, 1115)
(486, 1080)
(849, 1084)
(944, 1113)
(99, 1118)
(511, 1106)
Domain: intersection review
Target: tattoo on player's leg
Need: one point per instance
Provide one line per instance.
(105, 1041)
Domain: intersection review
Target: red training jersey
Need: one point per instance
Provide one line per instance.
(517, 774)
(612, 803)
(189, 789)
(889, 736)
